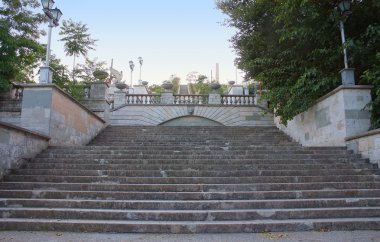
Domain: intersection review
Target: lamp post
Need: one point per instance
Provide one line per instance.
(347, 74)
(141, 62)
(46, 73)
(132, 66)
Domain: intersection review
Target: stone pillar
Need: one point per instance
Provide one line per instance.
(348, 76)
(118, 98)
(97, 100)
(167, 97)
(214, 99)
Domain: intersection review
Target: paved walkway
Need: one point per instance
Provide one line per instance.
(346, 236)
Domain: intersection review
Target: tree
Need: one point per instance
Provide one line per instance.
(292, 47)
(85, 71)
(77, 40)
(19, 48)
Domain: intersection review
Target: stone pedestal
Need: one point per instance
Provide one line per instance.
(97, 100)
(348, 76)
(46, 75)
(167, 98)
(98, 90)
(214, 98)
(118, 98)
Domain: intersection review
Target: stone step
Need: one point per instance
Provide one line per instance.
(193, 173)
(190, 180)
(185, 196)
(202, 167)
(190, 215)
(10, 106)
(204, 151)
(293, 147)
(180, 155)
(191, 204)
(187, 187)
(190, 226)
(139, 161)
(187, 143)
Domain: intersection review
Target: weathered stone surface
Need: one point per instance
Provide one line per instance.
(152, 115)
(17, 146)
(367, 145)
(50, 111)
(332, 118)
(191, 180)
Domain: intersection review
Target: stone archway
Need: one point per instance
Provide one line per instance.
(191, 121)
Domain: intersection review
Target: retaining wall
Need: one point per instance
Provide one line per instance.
(17, 145)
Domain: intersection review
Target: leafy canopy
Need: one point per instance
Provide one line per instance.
(19, 48)
(294, 48)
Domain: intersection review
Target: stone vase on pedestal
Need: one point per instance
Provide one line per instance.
(167, 96)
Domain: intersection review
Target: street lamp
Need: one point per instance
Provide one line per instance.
(46, 73)
(347, 74)
(141, 62)
(132, 66)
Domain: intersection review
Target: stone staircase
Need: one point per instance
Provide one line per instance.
(183, 90)
(10, 111)
(192, 180)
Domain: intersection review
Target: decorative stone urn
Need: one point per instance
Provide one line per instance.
(214, 86)
(121, 85)
(231, 83)
(100, 75)
(167, 85)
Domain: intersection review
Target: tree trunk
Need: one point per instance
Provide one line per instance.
(74, 70)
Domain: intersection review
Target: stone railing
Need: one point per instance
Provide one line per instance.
(170, 99)
(240, 100)
(143, 99)
(191, 99)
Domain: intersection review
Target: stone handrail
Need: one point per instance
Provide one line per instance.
(191, 99)
(240, 100)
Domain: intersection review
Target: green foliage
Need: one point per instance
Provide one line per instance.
(19, 48)
(175, 81)
(156, 89)
(85, 71)
(77, 40)
(294, 48)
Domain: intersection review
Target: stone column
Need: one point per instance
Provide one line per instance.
(118, 98)
(214, 99)
(97, 101)
(167, 97)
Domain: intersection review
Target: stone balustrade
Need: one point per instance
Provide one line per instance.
(122, 99)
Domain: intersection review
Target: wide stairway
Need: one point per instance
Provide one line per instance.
(191, 180)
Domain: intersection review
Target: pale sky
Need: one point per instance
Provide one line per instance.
(172, 36)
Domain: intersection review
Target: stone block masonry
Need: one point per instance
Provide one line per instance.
(17, 145)
(153, 115)
(335, 116)
(48, 110)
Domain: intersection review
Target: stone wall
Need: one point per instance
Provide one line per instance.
(152, 115)
(337, 115)
(50, 111)
(366, 144)
(17, 145)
